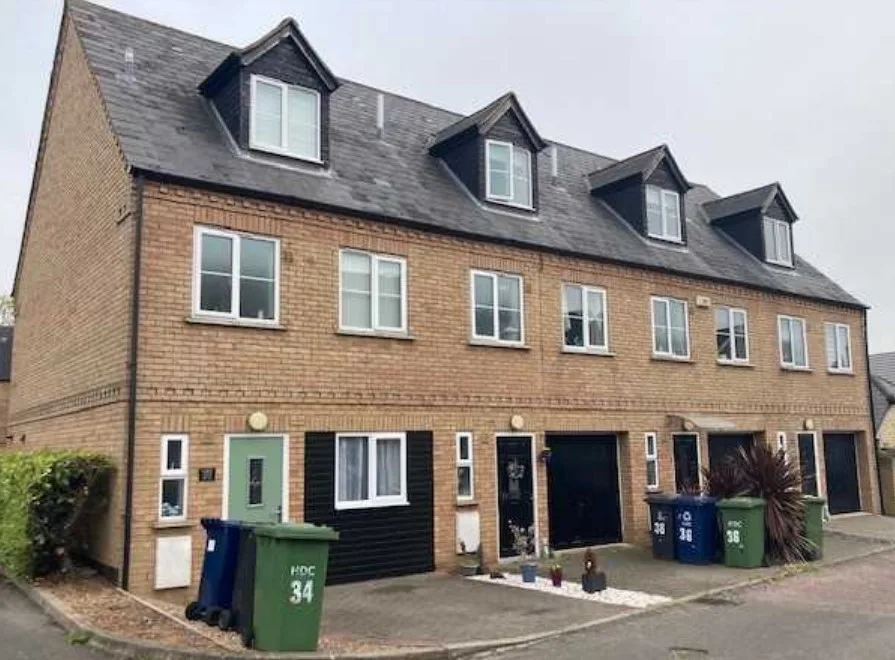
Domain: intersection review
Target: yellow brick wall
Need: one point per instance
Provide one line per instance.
(4, 411)
(73, 288)
(204, 379)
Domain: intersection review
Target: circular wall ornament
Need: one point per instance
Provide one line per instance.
(257, 421)
(517, 423)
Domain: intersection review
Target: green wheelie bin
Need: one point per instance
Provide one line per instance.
(814, 525)
(742, 526)
(290, 573)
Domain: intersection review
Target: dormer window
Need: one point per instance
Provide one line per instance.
(777, 242)
(285, 119)
(663, 215)
(508, 174)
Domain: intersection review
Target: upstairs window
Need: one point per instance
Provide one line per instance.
(838, 340)
(497, 307)
(508, 174)
(373, 292)
(671, 334)
(663, 214)
(584, 318)
(285, 119)
(731, 335)
(777, 242)
(793, 343)
(236, 276)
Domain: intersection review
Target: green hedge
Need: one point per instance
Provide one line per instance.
(49, 501)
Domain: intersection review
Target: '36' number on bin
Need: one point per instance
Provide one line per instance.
(301, 590)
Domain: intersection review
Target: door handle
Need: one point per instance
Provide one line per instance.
(278, 514)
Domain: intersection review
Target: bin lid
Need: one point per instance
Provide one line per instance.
(813, 499)
(741, 503)
(298, 531)
(695, 500)
(208, 523)
(661, 498)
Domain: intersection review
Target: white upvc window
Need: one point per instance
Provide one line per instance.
(838, 340)
(497, 307)
(236, 276)
(284, 119)
(465, 487)
(731, 334)
(671, 328)
(651, 443)
(371, 470)
(508, 173)
(793, 342)
(584, 318)
(777, 242)
(663, 214)
(781, 444)
(173, 479)
(372, 292)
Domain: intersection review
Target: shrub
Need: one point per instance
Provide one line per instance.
(48, 500)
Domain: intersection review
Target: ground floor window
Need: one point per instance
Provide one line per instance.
(371, 470)
(652, 461)
(173, 480)
(464, 466)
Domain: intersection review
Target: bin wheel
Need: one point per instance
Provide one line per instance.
(193, 611)
(212, 614)
(248, 638)
(225, 620)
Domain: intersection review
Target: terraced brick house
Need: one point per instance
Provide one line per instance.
(6, 334)
(270, 293)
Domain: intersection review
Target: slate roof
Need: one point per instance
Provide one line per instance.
(640, 164)
(882, 378)
(759, 198)
(166, 129)
(5, 353)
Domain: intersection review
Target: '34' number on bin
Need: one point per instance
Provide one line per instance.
(301, 590)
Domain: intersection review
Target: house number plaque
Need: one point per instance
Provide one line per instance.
(207, 474)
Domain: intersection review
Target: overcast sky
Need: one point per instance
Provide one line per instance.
(745, 93)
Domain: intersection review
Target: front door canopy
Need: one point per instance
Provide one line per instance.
(696, 422)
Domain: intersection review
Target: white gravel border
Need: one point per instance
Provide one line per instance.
(572, 589)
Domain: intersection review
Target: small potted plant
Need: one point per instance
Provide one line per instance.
(593, 579)
(523, 543)
(556, 574)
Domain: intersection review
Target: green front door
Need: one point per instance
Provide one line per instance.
(255, 479)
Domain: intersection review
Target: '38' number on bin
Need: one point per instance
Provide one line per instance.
(686, 534)
(301, 590)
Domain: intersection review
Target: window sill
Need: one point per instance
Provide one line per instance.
(172, 524)
(671, 358)
(354, 506)
(494, 343)
(466, 503)
(234, 323)
(508, 204)
(732, 363)
(840, 372)
(804, 370)
(588, 351)
(284, 153)
(666, 239)
(652, 490)
(376, 334)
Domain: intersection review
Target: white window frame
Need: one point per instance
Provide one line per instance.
(373, 500)
(651, 457)
(281, 149)
(507, 199)
(665, 235)
(170, 475)
(669, 355)
(467, 463)
(375, 260)
(781, 444)
(836, 327)
(776, 227)
(730, 314)
(588, 346)
(495, 337)
(235, 276)
(789, 319)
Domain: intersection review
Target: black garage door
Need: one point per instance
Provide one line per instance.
(842, 472)
(723, 445)
(374, 542)
(582, 484)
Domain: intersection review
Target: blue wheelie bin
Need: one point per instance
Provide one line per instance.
(696, 533)
(218, 571)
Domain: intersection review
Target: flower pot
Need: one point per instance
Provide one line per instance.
(529, 572)
(593, 582)
(556, 577)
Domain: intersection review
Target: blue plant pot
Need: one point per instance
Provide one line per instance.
(529, 572)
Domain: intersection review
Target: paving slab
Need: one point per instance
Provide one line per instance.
(866, 525)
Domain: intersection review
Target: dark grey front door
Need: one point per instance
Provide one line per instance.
(723, 445)
(842, 472)
(515, 488)
(808, 464)
(686, 462)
